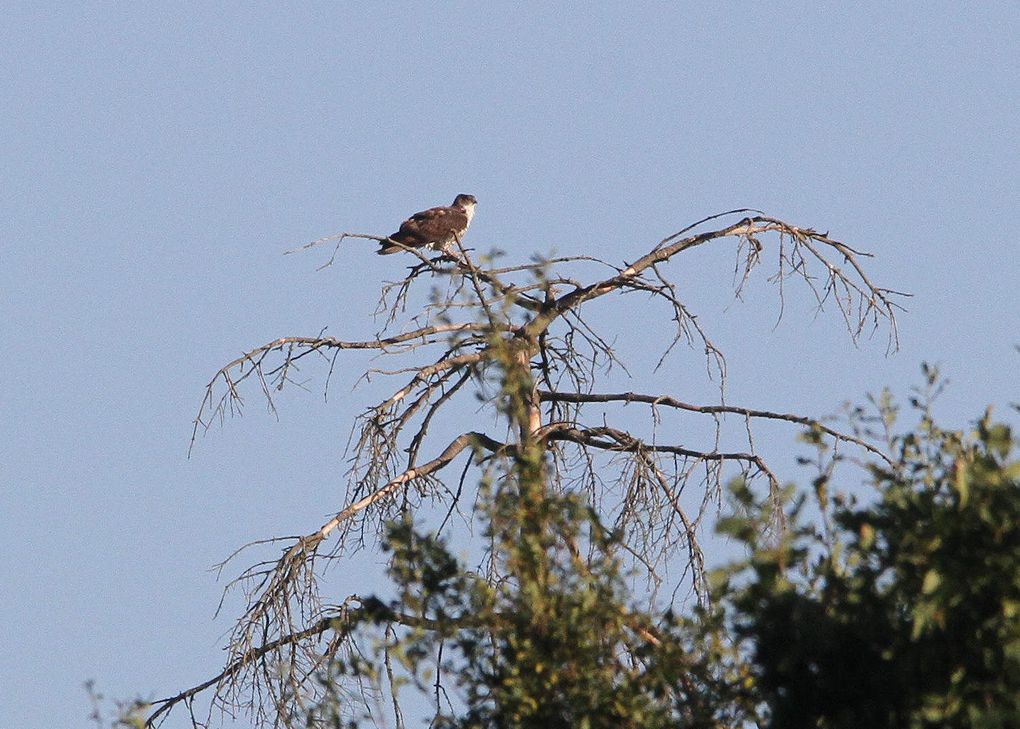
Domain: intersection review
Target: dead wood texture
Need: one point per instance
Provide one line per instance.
(444, 351)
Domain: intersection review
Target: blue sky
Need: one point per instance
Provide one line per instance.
(158, 160)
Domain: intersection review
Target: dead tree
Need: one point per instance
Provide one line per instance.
(446, 351)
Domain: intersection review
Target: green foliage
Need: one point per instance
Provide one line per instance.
(553, 642)
(119, 715)
(550, 647)
(908, 615)
(901, 610)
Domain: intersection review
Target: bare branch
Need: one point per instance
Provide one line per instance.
(875, 302)
(297, 348)
(665, 400)
(612, 439)
(249, 657)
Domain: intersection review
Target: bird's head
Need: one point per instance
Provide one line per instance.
(467, 202)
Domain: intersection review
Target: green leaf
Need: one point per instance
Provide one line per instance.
(961, 481)
(867, 536)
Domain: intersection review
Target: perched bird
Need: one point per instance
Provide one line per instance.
(435, 228)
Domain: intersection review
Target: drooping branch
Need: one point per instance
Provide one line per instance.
(616, 440)
(305, 548)
(873, 300)
(696, 558)
(341, 621)
(238, 665)
(667, 401)
(296, 348)
(285, 584)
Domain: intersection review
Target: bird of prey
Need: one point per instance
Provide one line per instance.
(434, 229)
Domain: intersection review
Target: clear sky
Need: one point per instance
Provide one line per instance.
(157, 159)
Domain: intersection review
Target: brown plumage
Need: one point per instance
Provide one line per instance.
(435, 228)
